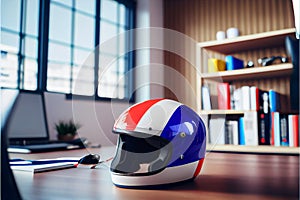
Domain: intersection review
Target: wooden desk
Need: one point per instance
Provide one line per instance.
(223, 176)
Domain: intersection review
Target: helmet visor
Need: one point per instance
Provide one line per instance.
(141, 155)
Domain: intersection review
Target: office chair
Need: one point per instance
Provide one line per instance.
(9, 189)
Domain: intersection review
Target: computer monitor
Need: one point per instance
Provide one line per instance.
(28, 122)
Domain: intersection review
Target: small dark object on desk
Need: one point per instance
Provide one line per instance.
(90, 159)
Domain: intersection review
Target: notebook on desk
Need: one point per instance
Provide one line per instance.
(27, 127)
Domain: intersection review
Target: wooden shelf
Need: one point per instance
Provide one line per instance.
(251, 73)
(221, 112)
(249, 42)
(253, 149)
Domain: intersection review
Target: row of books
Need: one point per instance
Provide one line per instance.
(255, 129)
(243, 98)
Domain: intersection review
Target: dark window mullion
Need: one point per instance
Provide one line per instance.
(21, 46)
(118, 46)
(97, 41)
(43, 36)
(130, 21)
(72, 45)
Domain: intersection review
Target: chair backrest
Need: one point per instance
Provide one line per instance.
(9, 189)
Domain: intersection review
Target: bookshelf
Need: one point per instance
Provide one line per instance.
(284, 69)
(257, 44)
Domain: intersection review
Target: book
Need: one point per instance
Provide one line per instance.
(251, 128)
(275, 139)
(223, 95)
(232, 100)
(254, 98)
(233, 63)
(274, 100)
(217, 130)
(296, 130)
(206, 102)
(283, 130)
(265, 118)
(216, 65)
(42, 165)
(228, 133)
(234, 131)
(293, 128)
(241, 131)
(264, 129)
(237, 99)
(245, 96)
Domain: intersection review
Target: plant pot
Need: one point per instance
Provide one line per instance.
(66, 137)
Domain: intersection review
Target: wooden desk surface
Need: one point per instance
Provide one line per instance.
(223, 176)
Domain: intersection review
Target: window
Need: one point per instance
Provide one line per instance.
(71, 53)
(19, 44)
(72, 62)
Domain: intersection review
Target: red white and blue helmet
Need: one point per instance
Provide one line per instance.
(161, 141)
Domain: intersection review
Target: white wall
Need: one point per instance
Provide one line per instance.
(97, 118)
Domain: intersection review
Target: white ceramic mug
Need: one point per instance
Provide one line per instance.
(232, 32)
(220, 35)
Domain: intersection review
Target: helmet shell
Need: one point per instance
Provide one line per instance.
(173, 122)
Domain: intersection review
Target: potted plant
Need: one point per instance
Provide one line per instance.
(66, 130)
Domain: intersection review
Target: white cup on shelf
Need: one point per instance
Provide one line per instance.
(220, 35)
(232, 32)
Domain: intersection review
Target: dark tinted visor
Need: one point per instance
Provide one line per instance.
(141, 155)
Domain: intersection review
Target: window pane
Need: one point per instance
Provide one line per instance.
(58, 77)
(8, 68)
(32, 17)
(108, 34)
(11, 40)
(84, 31)
(10, 14)
(107, 31)
(108, 78)
(30, 74)
(86, 6)
(31, 45)
(57, 85)
(60, 24)
(68, 3)
(122, 65)
(59, 53)
(122, 15)
(83, 80)
(123, 39)
(83, 57)
(109, 10)
(83, 88)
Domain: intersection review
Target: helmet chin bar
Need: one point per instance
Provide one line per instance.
(166, 176)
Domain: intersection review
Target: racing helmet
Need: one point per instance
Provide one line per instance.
(160, 141)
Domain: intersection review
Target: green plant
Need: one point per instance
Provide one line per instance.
(67, 127)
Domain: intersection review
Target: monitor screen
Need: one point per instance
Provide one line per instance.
(28, 118)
